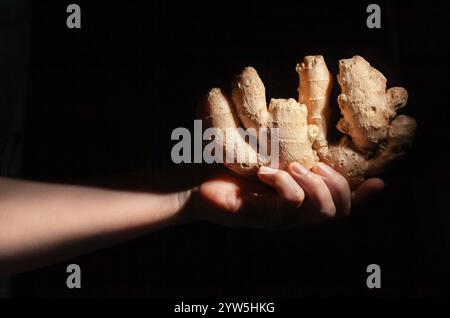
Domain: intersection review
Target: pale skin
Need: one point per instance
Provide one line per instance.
(43, 223)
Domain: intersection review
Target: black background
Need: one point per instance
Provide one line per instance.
(104, 99)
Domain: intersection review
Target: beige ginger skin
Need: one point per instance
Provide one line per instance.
(373, 135)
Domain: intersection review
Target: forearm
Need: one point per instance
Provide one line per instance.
(43, 223)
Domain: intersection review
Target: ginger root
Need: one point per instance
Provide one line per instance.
(374, 135)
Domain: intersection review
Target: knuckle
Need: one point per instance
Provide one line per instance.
(281, 178)
(340, 183)
(315, 180)
(346, 209)
(328, 210)
(296, 199)
(283, 174)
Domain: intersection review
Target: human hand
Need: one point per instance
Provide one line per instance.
(283, 199)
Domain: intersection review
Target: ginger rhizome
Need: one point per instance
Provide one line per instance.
(374, 136)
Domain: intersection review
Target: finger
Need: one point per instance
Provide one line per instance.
(338, 187)
(316, 189)
(285, 185)
(367, 190)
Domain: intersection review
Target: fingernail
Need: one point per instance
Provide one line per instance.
(266, 170)
(324, 169)
(299, 169)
